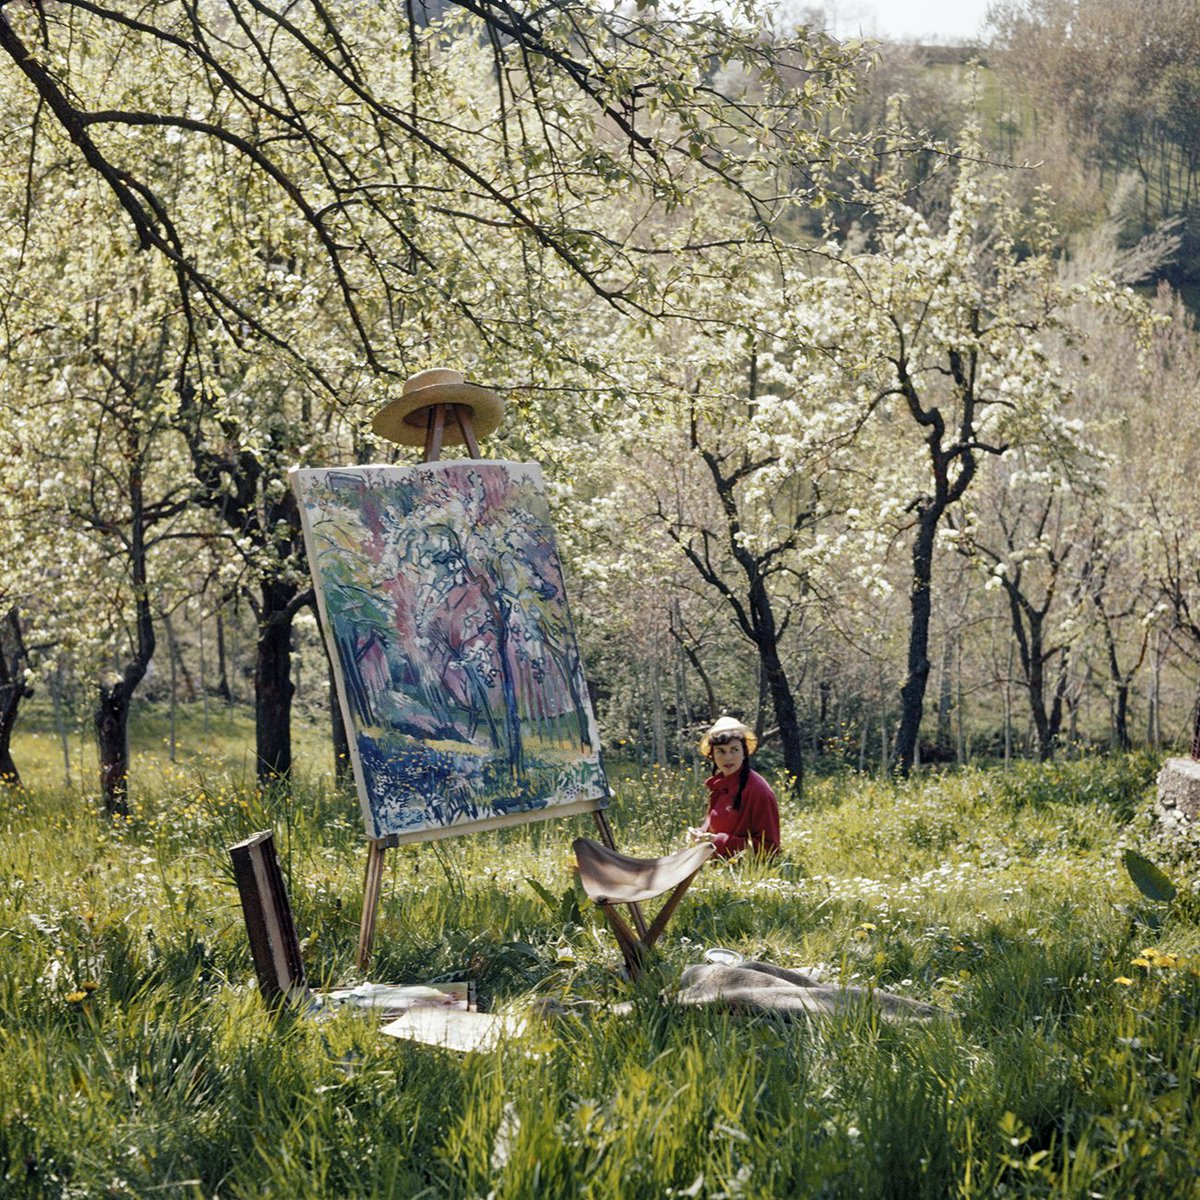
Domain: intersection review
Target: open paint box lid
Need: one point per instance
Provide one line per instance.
(719, 954)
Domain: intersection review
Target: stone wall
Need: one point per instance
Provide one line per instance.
(1179, 792)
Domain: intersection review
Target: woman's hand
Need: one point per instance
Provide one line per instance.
(699, 835)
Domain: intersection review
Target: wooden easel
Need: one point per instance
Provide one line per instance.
(436, 417)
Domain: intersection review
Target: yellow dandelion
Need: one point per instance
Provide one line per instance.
(76, 997)
(89, 985)
(1123, 980)
(959, 949)
(1150, 953)
(1140, 961)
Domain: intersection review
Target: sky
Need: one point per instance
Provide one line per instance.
(907, 20)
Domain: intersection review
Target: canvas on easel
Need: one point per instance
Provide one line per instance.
(442, 599)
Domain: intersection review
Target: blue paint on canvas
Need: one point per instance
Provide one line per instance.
(442, 594)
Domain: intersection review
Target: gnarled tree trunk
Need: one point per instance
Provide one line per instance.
(112, 709)
(273, 687)
(13, 660)
(920, 600)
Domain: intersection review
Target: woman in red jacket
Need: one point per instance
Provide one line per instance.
(742, 810)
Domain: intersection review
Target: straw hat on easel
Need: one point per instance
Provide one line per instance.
(435, 406)
(406, 419)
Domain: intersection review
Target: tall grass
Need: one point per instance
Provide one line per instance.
(139, 1061)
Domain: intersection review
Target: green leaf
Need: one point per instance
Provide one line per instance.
(1147, 878)
(545, 893)
(569, 908)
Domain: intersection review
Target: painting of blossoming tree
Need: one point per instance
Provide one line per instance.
(442, 598)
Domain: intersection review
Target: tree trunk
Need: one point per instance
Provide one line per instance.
(657, 716)
(1028, 627)
(1059, 702)
(112, 746)
(1008, 726)
(60, 722)
(756, 617)
(763, 632)
(1121, 680)
(12, 692)
(710, 693)
(112, 711)
(786, 719)
(112, 717)
(762, 693)
(10, 699)
(682, 707)
(945, 697)
(1153, 722)
(1035, 679)
(1121, 717)
(223, 689)
(960, 739)
(929, 511)
(174, 706)
(273, 687)
(885, 736)
(203, 672)
(912, 695)
(179, 668)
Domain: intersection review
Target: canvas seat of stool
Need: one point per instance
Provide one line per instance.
(610, 879)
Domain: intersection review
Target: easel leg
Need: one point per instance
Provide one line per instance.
(605, 828)
(606, 836)
(463, 415)
(434, 432)
(371, 889)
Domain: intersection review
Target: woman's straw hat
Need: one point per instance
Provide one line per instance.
(406, 418)
(728, 725)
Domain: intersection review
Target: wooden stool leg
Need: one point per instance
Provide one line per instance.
(632, 950)
(371, 889)
(664, 914)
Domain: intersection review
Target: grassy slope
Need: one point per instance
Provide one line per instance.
(995, 895)
(221, 738)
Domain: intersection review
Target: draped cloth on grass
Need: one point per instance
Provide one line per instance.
(748, 988)
(762, 987)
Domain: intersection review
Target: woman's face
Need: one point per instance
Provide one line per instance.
(729, 756)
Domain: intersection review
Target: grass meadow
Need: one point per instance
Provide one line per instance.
(138, 1059)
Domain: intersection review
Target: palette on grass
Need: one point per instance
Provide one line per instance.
(454, 1029)
(390, 1000)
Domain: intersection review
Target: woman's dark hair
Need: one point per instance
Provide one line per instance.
(743, 776)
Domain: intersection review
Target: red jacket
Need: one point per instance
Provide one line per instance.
(755, 822)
